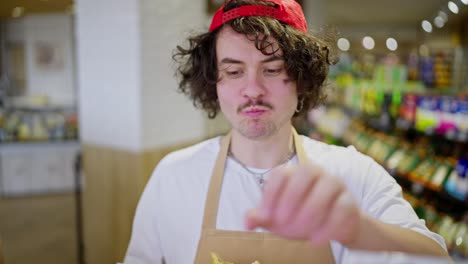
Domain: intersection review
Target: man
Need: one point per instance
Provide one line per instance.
(305, 200)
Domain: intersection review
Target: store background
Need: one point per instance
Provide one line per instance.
(96, 78)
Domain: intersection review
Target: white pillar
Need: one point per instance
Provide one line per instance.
(109, 75)
(127, 90)
(168, 117)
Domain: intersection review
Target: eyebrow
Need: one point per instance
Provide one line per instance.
(230, 61)
(273, 58)
(234, 61)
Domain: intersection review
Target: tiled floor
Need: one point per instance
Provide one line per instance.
(39, 229)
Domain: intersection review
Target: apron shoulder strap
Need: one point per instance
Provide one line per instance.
(216, 182)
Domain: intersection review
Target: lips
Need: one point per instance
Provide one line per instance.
(254, 111)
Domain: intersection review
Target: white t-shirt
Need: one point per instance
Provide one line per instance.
(169, 215)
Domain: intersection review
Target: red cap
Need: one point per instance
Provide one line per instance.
(287, 11)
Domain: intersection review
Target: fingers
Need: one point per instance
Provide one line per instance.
(341, 222)
(253, 220)
(319, 202)
(317, 207)
(295, 191)
(261, 217)
(306, 203)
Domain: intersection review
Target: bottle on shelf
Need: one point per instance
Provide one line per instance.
(457, 183)
(427, 117)
(461, 119)
(408, 163)
(422, 171)
(442, 173)
(396, 158)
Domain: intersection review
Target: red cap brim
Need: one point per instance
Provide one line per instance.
(287, 11)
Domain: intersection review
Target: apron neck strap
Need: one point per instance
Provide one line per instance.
(216, 182)
(301, 155)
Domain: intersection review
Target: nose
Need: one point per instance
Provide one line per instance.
(254, 87)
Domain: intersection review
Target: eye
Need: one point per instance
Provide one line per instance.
(273, 72)
(234, 73)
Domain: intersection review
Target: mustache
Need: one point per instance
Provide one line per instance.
(252, 103)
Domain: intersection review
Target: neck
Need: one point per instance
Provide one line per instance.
(264, 153)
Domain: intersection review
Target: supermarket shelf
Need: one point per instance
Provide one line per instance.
(402, 126)
(38, 143)
(392, 125)
(441, 147)
(351, 112)
(441, 200)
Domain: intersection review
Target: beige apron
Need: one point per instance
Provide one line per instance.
(246, 247)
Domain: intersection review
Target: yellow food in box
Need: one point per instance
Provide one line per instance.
(216, 259)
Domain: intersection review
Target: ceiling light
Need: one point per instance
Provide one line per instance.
(17, 11)
(453, 7)
(443, 15)
(439, 22)
(392, 44)
(464, 2)
(343, 44)
(368, 42)
(427, 26)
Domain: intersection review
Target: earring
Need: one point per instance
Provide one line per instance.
(300, 105)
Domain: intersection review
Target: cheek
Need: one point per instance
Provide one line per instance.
(286, 96)
(222, 92)
(225, 97)
(284, 89)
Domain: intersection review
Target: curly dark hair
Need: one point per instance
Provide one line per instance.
(307, 59)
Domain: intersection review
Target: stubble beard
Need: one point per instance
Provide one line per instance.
(257, 129)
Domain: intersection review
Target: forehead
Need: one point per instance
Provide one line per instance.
(230, 43)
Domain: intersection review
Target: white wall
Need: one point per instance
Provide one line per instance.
(168, 117)
(57, 83)
(108, 52)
